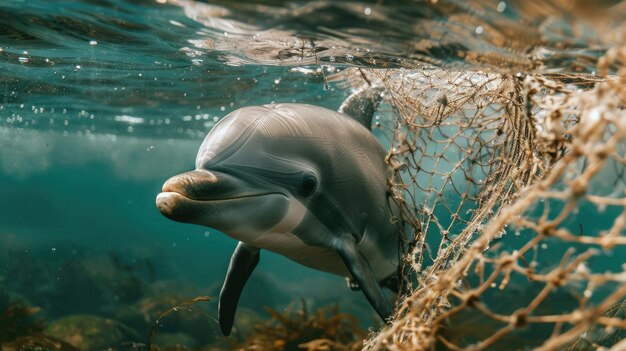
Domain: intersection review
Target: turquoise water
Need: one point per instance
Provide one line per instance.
(101, 101)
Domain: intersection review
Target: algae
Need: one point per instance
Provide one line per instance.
(322, 329)
(16, 320)
(19, 330)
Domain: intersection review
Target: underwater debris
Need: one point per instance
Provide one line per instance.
(604, 335)
(521, 160)
(323, 329)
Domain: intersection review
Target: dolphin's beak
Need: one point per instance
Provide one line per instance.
(198, 184)
(180, 191)
(168, 204)
(220, 200)
(184, 195)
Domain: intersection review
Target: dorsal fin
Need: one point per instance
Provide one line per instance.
(362, 104)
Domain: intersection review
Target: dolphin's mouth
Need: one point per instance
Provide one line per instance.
(209, 197)
(212, 212)
(206, 186)
(181, 196)
(182, 208)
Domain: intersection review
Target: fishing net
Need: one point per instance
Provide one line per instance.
(513, 190)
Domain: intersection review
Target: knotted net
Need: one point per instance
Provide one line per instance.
(512, 187)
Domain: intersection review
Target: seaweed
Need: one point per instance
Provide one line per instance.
(324, 329)
(39, 342)
(183, 306)
(20, 331)
(16, 321)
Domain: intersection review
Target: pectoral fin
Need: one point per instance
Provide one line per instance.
(242, 263)
(362, 273)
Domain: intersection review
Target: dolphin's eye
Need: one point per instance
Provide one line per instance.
(308, 183)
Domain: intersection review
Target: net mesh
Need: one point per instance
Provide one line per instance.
(512, 188)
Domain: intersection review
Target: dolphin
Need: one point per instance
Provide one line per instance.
(300, 180)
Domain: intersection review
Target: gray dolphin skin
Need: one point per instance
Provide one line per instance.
(303, 181)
